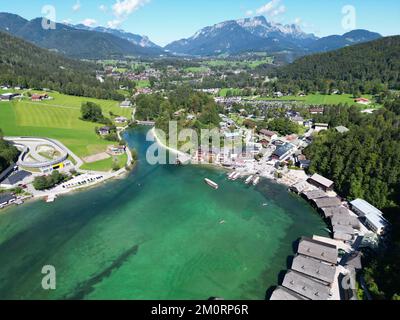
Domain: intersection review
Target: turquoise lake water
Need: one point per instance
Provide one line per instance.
(155, 235)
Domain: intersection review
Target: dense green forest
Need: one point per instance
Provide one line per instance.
(366, 68)
(365, 163)
(8, 153)
(162, 109)
(22, 64)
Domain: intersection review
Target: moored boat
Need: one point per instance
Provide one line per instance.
(256, 181)
(249, 179)
(211, 183)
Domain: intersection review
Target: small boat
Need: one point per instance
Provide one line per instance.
(222, 222)
(51, 198)
(249, 179)
(265, 204)
(256, 181)
(211, 183)
(236, 176)
(230, 177)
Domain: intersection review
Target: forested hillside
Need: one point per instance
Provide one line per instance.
(364, 68)
(23, 64)
(365, 163)
(8, 153)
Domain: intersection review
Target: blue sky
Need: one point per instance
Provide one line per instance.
(167, 20)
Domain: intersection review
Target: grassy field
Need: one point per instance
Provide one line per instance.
(143, 84)
(196, 69)
(107, 164)
(320, 99)
(58, 119)
(239, 64)
(223, 92)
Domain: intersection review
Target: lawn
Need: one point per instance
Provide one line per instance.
(106, 165)
(58, 119)
(320, 99)
(223, 92)
(196, 69)
(142, 84)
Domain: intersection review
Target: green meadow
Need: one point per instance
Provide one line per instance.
(142, 84)
(58, 119)
(321, 99)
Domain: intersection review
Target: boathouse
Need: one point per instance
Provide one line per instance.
(318, 250)
(282, 294)
(327, 202)
(314, 268)
(306, 286)
(321, 182)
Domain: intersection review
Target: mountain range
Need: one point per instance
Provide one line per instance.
(77, 42)
(258, 34)
(230, 37)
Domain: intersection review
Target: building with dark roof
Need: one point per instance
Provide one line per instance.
(16, 178)
(306, 286)
(284, 294)
(315, 268)
(321, 182)
(318, 250)
(6, 198)
(283, 151)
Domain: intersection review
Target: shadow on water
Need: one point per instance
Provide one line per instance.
(85, 288)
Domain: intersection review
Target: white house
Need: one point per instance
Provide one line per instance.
(374, 219)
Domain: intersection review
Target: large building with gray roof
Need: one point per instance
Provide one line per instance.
(306, 286)
(315, 268)
(318, 250)
(283, 294)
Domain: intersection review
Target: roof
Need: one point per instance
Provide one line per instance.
(17, 177)
(343, 229)
(330, 211)
(365, 207)
(345, 220)
(314, 268)
(322, 180)
(321, 125)
(354, 260)
(283, 149)
(315, 194)
(378, 221)
(5, 197)
(306, 286)
(284, 294)
(268, 133)
(327, 202)
(342, 129)
(319, 250)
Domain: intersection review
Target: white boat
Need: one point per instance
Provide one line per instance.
(211, 183)
(249, 179)
(256, 181)
(231, 175)
(236, 176)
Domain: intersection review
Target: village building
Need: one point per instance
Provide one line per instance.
(318, 250)
(8, 96)
(363, 101)
(316, 110)
(320, 127)
(284, 294)
(15, 178)
(371, 216)
(306, 286)
(126, 104)
(321, 182)
(104, 131)
(39, 97)
(6, 199)
(342, 129)
(120, 120)
(315, 268)
(283, 151)
(116, 150)
(268, 135)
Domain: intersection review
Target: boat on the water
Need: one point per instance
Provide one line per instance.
(211, 183)
(256, 181)
(236, 176)
(249, 179)
(230, 176)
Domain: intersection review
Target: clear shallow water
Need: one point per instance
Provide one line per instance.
(154, 235)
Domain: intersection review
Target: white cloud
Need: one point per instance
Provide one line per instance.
(249, 12)
(122, 9)
(67, 21)
(89, 22)
(272, 9)
(298, 21)
(76, 7)
(103, 8)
